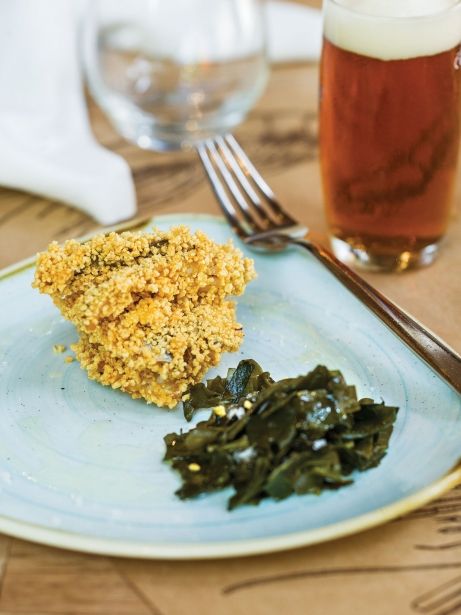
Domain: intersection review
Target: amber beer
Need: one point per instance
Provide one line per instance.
(389, 134)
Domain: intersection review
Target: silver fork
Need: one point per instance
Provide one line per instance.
(259, 220)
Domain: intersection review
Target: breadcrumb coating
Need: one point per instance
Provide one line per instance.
(150, 308)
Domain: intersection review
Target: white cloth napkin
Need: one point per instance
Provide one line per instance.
(46, 144)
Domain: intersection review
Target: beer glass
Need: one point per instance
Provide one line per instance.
(389, 127)
(169, 73)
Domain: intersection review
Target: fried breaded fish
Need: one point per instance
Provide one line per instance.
(151, 308)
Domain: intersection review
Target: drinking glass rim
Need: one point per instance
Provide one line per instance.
(438, 13)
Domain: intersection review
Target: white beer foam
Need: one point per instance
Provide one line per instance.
(393, 29)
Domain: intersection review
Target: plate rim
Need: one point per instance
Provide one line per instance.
(220, 549)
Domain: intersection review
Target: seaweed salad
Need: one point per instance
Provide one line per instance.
(270, 439)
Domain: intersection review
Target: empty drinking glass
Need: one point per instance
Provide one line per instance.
(170, 73)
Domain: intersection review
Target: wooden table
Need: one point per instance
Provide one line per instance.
(381, 571)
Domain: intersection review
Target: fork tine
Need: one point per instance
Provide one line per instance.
(250, 170)
(234, 165)
(220, 192)
(253, 222)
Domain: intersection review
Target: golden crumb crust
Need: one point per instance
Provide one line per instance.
(151, 308)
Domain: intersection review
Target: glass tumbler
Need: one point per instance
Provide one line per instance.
(170, 73)
(389, 127)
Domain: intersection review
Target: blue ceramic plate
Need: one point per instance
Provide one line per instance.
(81, 464)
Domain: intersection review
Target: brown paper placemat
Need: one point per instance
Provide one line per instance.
(412, 565)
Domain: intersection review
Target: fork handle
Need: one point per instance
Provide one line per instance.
(431, 349)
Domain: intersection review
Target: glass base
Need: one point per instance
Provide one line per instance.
(147, 133)
(166, 139)
(361, 259)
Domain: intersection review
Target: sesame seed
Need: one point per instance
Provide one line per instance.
(194, 467)
(219, 411)
(247, 404)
